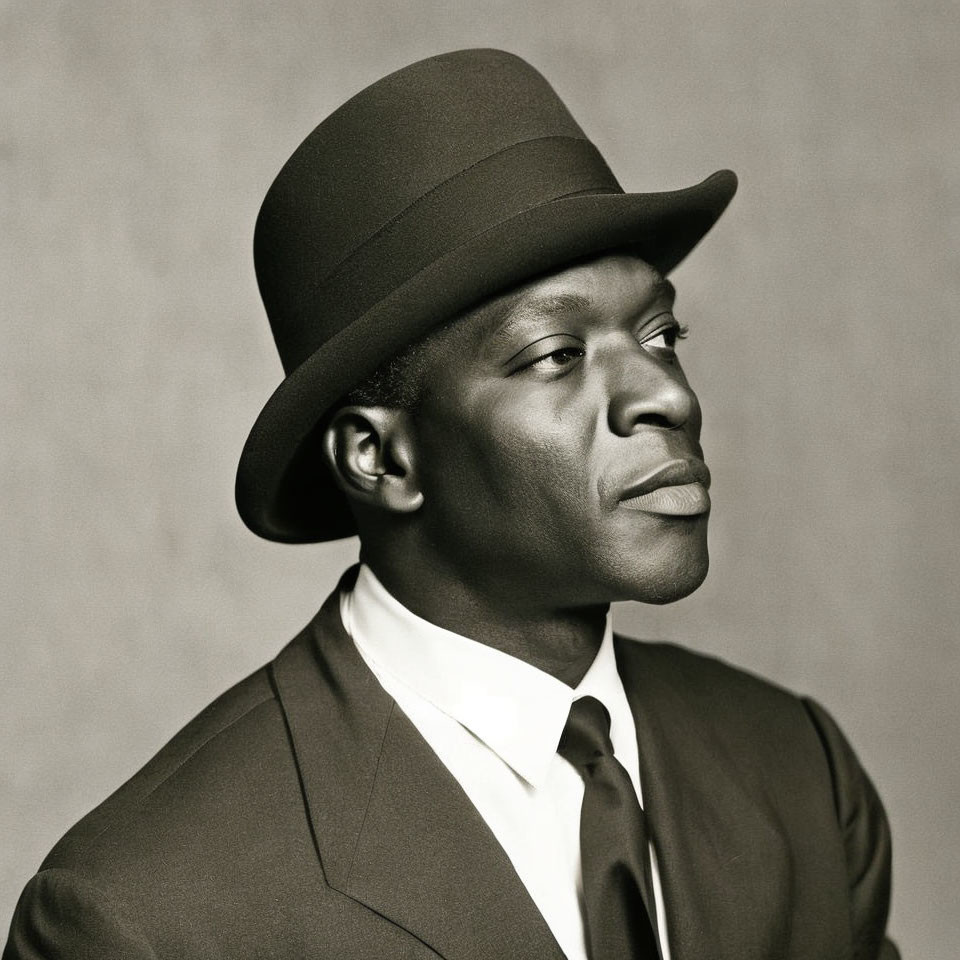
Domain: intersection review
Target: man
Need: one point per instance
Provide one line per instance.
(456, 758)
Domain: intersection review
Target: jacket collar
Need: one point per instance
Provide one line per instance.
(392, 827)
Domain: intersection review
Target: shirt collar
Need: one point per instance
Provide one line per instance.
(517, 710)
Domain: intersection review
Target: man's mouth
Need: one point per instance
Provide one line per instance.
(677, 488)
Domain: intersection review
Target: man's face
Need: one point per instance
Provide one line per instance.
(557, 444)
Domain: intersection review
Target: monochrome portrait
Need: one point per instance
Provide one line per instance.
(480, 481)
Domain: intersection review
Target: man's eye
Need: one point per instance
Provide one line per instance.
(664, 341)
(552, 354)
(558, 359)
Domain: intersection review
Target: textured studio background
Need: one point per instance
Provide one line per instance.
(136, 141)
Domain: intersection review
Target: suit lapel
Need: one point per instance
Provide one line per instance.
(393, 828)
(723, 861)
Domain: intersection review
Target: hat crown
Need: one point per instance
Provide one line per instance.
(382, 151)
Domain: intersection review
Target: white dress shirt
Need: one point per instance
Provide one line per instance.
(495, 722)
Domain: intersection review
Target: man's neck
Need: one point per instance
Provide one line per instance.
(562, 642)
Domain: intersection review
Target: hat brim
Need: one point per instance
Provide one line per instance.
(284, 491)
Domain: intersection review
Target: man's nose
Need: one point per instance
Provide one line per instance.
(645, 391)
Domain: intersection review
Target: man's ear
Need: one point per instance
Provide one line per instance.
(371, 452)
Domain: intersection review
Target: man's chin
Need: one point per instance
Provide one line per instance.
(670, 579)
(676, 590)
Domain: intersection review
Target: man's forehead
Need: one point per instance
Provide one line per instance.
(573, 292)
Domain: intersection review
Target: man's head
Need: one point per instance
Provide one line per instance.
(544, 444)
(438, 188)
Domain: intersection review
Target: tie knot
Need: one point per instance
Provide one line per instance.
(586, 737)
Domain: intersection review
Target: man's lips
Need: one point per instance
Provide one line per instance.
(677, 488)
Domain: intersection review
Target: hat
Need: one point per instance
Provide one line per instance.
(438, 187)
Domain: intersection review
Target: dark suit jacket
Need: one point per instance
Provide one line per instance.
(302, 815)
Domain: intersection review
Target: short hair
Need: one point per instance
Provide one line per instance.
(398, 382)
(401, 380)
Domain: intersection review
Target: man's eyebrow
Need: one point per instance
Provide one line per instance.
(533, 306)
(550, 305)
(561, 305)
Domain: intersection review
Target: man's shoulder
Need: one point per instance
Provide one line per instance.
(737, 705)
(702, 675)
(190, 782)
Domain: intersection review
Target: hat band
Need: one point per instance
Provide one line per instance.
(494, 189)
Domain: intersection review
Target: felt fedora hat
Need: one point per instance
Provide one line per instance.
(439, 186)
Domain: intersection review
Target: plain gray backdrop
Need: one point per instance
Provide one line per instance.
(137, 141)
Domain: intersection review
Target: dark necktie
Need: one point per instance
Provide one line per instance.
(614, 848)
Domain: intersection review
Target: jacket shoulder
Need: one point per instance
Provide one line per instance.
(231, 735)
(709, 684)
(763, 730)
(795, 756)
